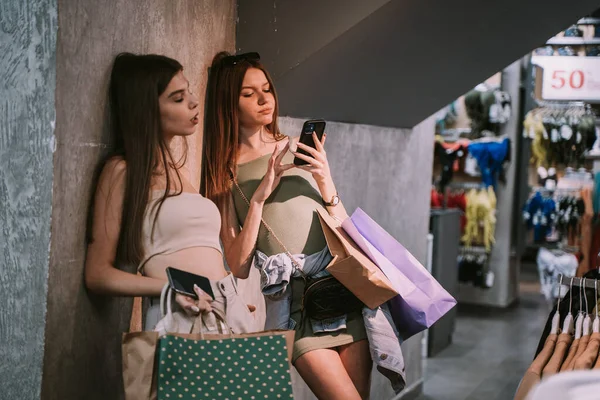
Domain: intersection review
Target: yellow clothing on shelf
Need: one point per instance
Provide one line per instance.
(481, 218)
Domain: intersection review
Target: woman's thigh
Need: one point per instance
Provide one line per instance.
(324, 373)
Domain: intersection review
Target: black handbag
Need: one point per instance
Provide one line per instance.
(326, 298)
(323, 297)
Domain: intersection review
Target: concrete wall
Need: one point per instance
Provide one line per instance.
(503, 262)
(387, 173)
(82, 358)
(27, 76)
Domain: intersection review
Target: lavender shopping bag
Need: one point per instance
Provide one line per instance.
(421, 300)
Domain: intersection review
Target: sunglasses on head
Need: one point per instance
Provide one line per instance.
(233, 60)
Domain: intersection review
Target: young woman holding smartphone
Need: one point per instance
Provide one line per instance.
(249, 173)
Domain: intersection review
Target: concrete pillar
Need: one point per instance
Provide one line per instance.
(28, 76)
(83, 332)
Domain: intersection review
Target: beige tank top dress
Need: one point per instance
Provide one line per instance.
(291, 213)
(184, 221)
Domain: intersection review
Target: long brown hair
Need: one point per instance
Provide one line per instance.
(221, 128)
(136, 83)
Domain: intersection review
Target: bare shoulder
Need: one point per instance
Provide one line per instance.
(114, 170)
(112, 176)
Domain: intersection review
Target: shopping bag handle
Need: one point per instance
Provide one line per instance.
(219, 317)
(166, 300)
(163, 296)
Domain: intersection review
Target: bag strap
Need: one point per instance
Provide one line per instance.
(135, 321)
(219, 318)
(268, 228)
(165, 300)
(166, 308)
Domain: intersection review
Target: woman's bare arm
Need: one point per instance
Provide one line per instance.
(101, 275)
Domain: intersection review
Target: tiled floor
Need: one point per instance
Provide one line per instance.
(490, 352)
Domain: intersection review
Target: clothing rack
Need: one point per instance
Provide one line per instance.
(578, 281)
(473, 250)
(466, 185)
(454, 134)
(563, 104)
(542, 190)
(455, 131)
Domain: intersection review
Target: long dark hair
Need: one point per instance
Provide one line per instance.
(136, 83)
(221, 128)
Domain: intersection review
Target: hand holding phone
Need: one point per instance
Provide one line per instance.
(194, 307)
(183, 282)
(318, 127)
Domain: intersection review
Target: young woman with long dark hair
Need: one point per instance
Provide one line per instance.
(146, 213)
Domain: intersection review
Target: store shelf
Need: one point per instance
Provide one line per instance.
(572, 41)
(545, 245)
(592, 157)
(588, 21)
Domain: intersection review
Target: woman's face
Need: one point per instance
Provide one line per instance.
(257, 103)
(179, 115)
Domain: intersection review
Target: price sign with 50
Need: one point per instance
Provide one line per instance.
(562, 79)
(570, 78)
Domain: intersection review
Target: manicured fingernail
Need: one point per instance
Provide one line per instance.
(195, 309)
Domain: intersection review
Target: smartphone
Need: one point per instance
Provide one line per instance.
(183, 282)
(314, 125)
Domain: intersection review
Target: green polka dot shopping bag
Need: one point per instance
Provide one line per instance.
(252, 367)
(208, 366)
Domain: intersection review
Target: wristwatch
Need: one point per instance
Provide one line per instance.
(335, 200)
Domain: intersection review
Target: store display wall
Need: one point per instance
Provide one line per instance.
(503, 262)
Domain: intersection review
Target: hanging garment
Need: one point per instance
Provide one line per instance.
(544, 51)
(487, 108)
(569, 360)
(534, 372)
(448, 154)
(573, 31)
(592, 51)
(477, 106)
(593, 258)
(597, 365)
(566, 51)
(558, 356)
(437, 199)
(500, 110)
(473, 268)
(458, 201)
(560, 137)
(550, 267)
(596, 196)
(586, 231)
(533, 128)
(564, 308)
(583, 342)
(481, 218)
(587, 359)
(539, 214)
(490, 156)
